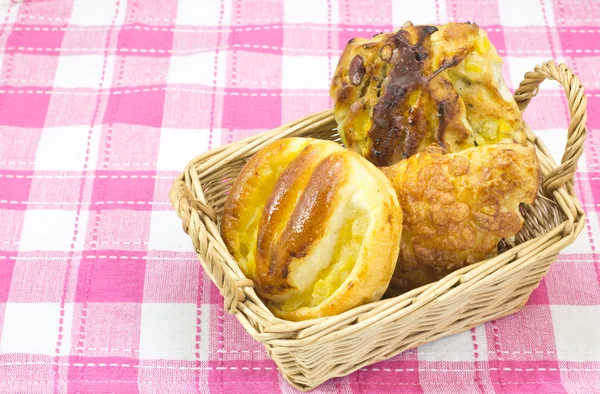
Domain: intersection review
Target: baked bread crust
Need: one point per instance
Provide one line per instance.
(399, 92)
(316, 226)
(457, 207)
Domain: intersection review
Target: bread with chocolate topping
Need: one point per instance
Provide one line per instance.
(400, 92)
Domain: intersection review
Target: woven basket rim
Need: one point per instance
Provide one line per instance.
(198, 215)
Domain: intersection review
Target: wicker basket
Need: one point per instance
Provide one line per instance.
(310, 352)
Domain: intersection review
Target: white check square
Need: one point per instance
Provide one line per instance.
(556, 141)
(203, 13)
(84, 71)
(530, 13)
(53, 230)
(174, 154)
(66, 148)
(584, 242)
(9, 14)
(198, 69)
(166, 233)
(322, 12)
(518, 66)
(33, 328)
(457, 347)
(168, 332)
(98, 12)
(305, 72)
(576, 332)
(419, 12)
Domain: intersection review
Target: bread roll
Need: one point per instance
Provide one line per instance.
(316, 226)
(399, 92)
(457, 207)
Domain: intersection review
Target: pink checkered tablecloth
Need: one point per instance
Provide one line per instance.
(102, 103)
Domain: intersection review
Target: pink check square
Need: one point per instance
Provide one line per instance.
(537, 44)
(538, 116)
(577, 13)
(580, 377)
(247, 76)
(311, 40)
(367, 12)
(47, 12)
(7, 264)
(574, 282)
(258, 11)
(243, 347)
(535, 339)
(164, 270)
(141, 72)
(456, 377)
(593, 120)
(376, 378)
(11, 226)
(38, 367)
(257, 40)
(252, 109)
(83, 109)
(140, 106)
(170, 376)
(483, 12)
(31, 69)
(496, 35)
(123, 229)
(514, 377)
(42, 279)
(103, 374)
(120, 190)
(189, 42)
(53, 190)
(594, 178)
(187, 101)
(82, 42)
(148, 10)
(24, 107)
(540, 294)
(105, 329)
(111, 276)
(143, 40)
(161, 193)
(244, 377)
(44, 39)
(14, 188)
(118, 156)
(358, 30)
(301, 104)
(18, 147)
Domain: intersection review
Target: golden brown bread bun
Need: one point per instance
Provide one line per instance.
(399, 92)
(316, 226)
(457, 207)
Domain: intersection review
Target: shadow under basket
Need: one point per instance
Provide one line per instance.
(309, 353)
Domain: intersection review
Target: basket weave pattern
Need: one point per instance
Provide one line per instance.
(310, 352)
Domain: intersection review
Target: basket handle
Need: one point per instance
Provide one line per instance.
(577, 107)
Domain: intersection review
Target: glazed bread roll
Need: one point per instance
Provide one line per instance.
(399, 92)
(457, 207)
(316, 226)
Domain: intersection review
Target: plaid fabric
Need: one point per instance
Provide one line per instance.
(104, 101)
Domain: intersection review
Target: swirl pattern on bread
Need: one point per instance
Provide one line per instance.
(316, 226)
